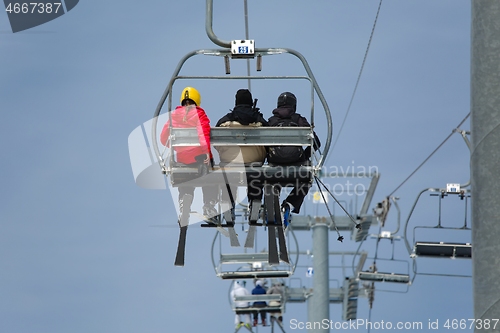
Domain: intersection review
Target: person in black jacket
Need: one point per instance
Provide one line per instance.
(244, 112)
(244, 115)
(285, 115)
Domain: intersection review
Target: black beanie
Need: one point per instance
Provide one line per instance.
(244, 96)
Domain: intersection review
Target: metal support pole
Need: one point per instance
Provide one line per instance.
(485, 158)
(209, 29)
(319, 302)
(245, 4)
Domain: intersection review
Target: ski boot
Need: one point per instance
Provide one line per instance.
(211, 214)
(286, 209)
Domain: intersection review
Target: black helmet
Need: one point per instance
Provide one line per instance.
(287, 98)
(243, 96)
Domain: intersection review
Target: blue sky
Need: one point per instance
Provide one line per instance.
(77, 249)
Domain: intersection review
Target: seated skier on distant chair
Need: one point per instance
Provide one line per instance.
(259, 290)
(240, 290)
(245, 114)
(276, 289)
(285, 115)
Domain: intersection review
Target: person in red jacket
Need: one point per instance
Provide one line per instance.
(190, 115)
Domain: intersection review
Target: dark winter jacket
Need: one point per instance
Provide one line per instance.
(245, 115)
(242, 116)
(284, 112)
(258, 290)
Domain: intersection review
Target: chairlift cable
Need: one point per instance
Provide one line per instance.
(428, 157)
(359, 75)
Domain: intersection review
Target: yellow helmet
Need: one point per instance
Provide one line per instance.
(192, 94)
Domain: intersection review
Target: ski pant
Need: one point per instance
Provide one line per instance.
(242, 318)
(254, 187)
(210, 193)
(297, 195)
(262, 314)
(254, 191)
(299, 190)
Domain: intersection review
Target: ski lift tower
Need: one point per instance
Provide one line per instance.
(485, 157)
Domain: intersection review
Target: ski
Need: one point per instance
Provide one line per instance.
(280, 229)
(253, 217)
(181, 247)
(254, 211)
(269, 199)
(228, 213)
(250, 240)
(184, 204)
(273, 247)
(233, 237)
(223, 231)
(282, 243)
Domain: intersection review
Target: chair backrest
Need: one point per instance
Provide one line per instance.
(261, 136)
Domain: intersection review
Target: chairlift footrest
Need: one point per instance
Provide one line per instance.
(256, 224)
(211, 225)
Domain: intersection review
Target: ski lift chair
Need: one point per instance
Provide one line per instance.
(270, 176)
(440, 249)
(271, 309)
(373, 275)
(241, 266)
